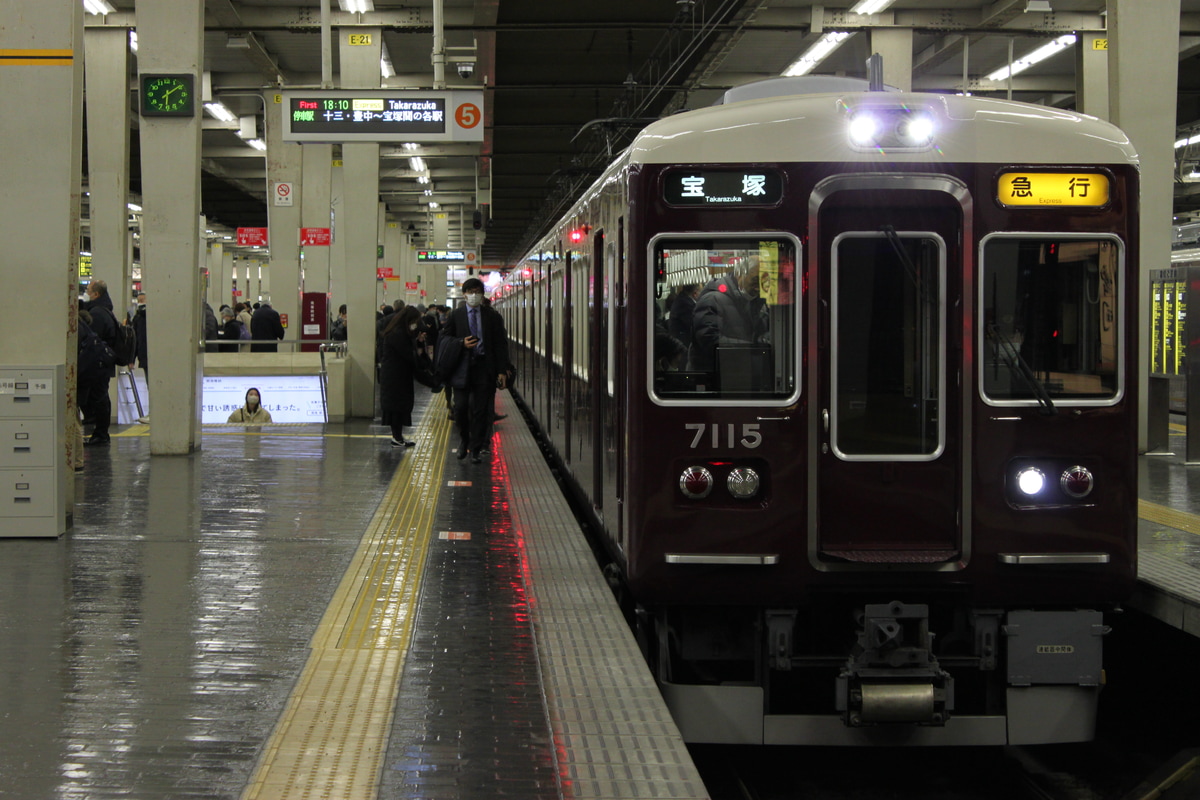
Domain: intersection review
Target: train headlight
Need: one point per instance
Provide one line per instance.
(1031, 481)
(742, 483)
(915, 130)
(863, 128)
(1077, 481)
(696, 483)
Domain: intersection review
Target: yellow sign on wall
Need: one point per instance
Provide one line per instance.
(1042, 189)
(357, 39)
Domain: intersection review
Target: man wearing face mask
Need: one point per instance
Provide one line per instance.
(481, 329)
(252, 413)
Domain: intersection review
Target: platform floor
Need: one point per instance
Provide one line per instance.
(304, 611)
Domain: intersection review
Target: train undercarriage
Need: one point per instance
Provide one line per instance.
(890, 673)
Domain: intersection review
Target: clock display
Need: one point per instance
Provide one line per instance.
(167, 96)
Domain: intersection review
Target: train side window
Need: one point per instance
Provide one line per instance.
(724, 317)
(1050, 319)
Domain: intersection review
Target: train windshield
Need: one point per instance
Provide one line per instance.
(1050, 319)
(725, 317)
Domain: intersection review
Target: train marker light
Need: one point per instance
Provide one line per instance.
(696, 483)
(742, 483)
(1077, 481)
(1031, 481)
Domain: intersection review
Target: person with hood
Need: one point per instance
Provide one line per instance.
(253, 412)
(726, 314)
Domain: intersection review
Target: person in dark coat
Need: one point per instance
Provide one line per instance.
(210, 329)
(680, 324)
(265, 324)
(94, 401)
(398, 352)
(486, 342)
(230, 331)
(139, 328)
(729, 311)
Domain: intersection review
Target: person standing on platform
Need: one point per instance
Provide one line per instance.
(401, 350)
(93, 397)
(265, 324)
(485, 341)
(252, 413)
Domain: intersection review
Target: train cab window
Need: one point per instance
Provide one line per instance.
(725, 316)
(1050, 320)
(888, 345)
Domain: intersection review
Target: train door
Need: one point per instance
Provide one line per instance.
(890, 296)
(598, 366)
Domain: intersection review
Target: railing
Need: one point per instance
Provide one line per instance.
(206, 343)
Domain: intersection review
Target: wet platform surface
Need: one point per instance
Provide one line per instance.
(305, 606)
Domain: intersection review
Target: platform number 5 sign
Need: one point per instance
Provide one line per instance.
(467, 115)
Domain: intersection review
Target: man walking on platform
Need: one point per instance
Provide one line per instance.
(485, 345)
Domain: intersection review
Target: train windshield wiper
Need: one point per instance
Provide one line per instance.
(1019, 366)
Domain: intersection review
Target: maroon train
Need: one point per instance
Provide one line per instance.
(871, 477)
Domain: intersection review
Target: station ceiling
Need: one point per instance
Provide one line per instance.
(567, 84)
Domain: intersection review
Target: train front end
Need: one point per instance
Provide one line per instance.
(882, 437)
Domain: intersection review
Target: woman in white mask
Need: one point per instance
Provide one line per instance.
(253, 412)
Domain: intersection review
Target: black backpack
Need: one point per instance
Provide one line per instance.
(95, 356)
(125, 346)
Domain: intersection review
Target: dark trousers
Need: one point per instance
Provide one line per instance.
(473, 407)
(95, 405)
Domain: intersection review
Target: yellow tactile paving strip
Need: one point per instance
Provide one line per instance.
(332, 735)
(1172, 518)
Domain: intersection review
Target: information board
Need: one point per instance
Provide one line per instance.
(382, 116)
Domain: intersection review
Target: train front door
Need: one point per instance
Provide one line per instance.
(888, 316)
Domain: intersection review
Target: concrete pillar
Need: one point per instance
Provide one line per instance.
(41, 72)
(337, 250)
(283, 165)
(171, 40)
(107, 76)
(220, 287)
(316, 175)
(359, 222)
(895, 45)
(1142, 49)
(1091, 74)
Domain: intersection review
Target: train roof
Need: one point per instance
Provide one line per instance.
(814, 127)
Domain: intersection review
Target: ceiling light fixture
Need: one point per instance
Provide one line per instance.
(257, 144)
(218, 110)
(356, 6)
(814, 55)
(870, 6)
(1038, 5)
(98, 7)
(1041, 54)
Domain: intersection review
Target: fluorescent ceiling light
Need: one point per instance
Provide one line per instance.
(218, 110)
(98, 7)
(816, 54)
(357, 6)
(257, 144)
(1041, 54)
(1185, 142)
(870, 6)
(134, 207)
(417, 163)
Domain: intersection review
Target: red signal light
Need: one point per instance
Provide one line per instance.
(576, 236)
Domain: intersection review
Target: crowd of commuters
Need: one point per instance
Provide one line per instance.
(461, 352)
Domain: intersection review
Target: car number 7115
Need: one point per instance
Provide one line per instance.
(750, 438)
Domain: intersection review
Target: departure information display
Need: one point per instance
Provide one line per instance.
(723, 187)
(382, 116)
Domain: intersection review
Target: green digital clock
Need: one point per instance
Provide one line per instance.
(168, 95)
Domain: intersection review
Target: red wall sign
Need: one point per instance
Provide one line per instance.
(411, 286)
(384, 272)
(314, 237)
(252, 237)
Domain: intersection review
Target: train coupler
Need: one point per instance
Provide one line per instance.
(892, 675)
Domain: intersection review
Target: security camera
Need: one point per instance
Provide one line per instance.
(466, 69)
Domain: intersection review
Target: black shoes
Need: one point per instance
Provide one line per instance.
(96, 441)
(462, 453)
(403, 442)
(476, 458)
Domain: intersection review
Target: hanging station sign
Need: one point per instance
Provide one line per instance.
(382, 116)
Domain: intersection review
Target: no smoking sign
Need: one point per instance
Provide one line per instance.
(283, 194)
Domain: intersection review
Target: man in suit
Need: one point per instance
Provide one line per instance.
(485, 343)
